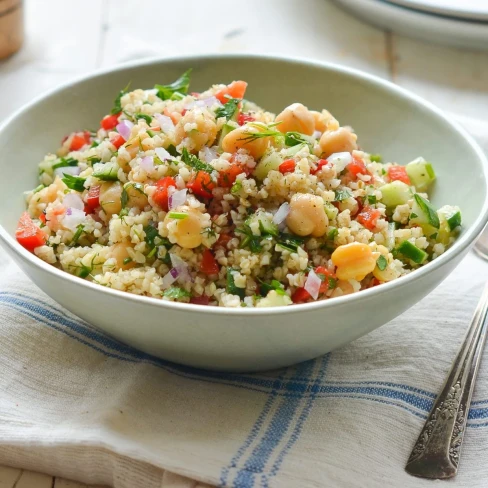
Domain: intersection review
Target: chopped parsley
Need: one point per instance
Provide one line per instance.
(228, 110)
(147, 118)
(343, 194)
(37, 189)
(375, 158)
(127, 261)
(295, 138)
(176, 293)
(250, 240)
(180, 86)
(371, 199)
(177, 215)
(413, 215)
(231, 285)
(194, 162)
(63, 162)
(289, 242)
(381, 262)
(94, 159)
(331, 282)
(74, 182)
(333, 232)
(172, 150)
(117, 108)
(275, 285)
(154, 240)
(77, 235)
(236, 187)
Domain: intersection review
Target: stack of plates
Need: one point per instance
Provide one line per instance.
(459, 23)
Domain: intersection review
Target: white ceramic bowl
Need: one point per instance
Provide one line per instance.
(388, 119)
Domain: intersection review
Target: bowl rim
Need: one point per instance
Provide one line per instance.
(460, 245)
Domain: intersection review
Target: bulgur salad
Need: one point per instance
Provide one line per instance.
(207, 198)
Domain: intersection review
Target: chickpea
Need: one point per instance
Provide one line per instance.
(354, 261)
(110, 194)
(199, 127)
(340, 140)
(324, 121)
(137, 197)
(296, 118)
(307, 215)
(120, 253)
(236, 140)
(188, 231)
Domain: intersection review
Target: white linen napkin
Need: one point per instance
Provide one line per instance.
(76, 403)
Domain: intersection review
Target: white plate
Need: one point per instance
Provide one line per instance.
(413, 23)
(467, 9)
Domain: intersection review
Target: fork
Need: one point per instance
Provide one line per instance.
(436, 453)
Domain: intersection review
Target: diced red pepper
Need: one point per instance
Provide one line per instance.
(287, 166)
(93, 197)
(228, 176)
(300, 295)
(398, 173)
(209, 265)
(320, 164)
(79, 140)
(368, 217)
(110, 121)
(28, 234)
(117, 141)
(357, 167)
(236, 89)
(224, 239)
(160, 196)
(243, 118)
(326, 284)
(42, 218)
(203, 300)
(201, 184)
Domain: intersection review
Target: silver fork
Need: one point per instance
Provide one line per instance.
(437, 450)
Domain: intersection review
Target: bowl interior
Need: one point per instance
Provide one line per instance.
(387, 121)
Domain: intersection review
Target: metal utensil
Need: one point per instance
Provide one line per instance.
(437, 450)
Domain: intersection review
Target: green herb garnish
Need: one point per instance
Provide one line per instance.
(275, 285)
(343, 194)
(250, 240)
(289, 242)
(172, 150)
(147, 118)
(228, 110)
(63, 162)
(179, 86)
(176, 293)
(77, 235)
(382, 263)
(375, 158)
(108, 172)
(37, 189)
(127, 261)
(117, 103)
(177, 215)
(74, 182)
(236, 187)
(194, 162)
(333, 232)
(371, 199)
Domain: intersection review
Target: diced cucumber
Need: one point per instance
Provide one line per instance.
(106, 172)
(411, 251)
(424, 214)
(263, 222)
(226, 128)
(330, 210)
(395, 193)
(451, 214)
(270, 161)
(421, 173)
(46, 167)
(289, 152)
(231, 286)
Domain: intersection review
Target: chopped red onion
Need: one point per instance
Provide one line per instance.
(73, 200)
(165, 123)
(208, 102)
(147, 163)
(209, 154)
(177, 198)
(73, 218)
(340, 160)
(124, 128)
(282, 213)
(162, 154)
(69, 170)
(169, 278)
(181, 267)
(312, 285)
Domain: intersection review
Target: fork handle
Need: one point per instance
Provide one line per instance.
(437, 450)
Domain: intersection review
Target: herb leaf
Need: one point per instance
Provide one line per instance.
(176, 293)
(117, 103)
(194, 162)
(343, 194)
(265, 288)
(295, 138)
(77, 235)
(381, 262)
(172, 150)
(289, 242)
(180, 85)
(228, 110)
(147, 118)
(63, 162)
(74, 182)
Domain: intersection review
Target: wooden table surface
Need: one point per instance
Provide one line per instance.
(66, 39)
